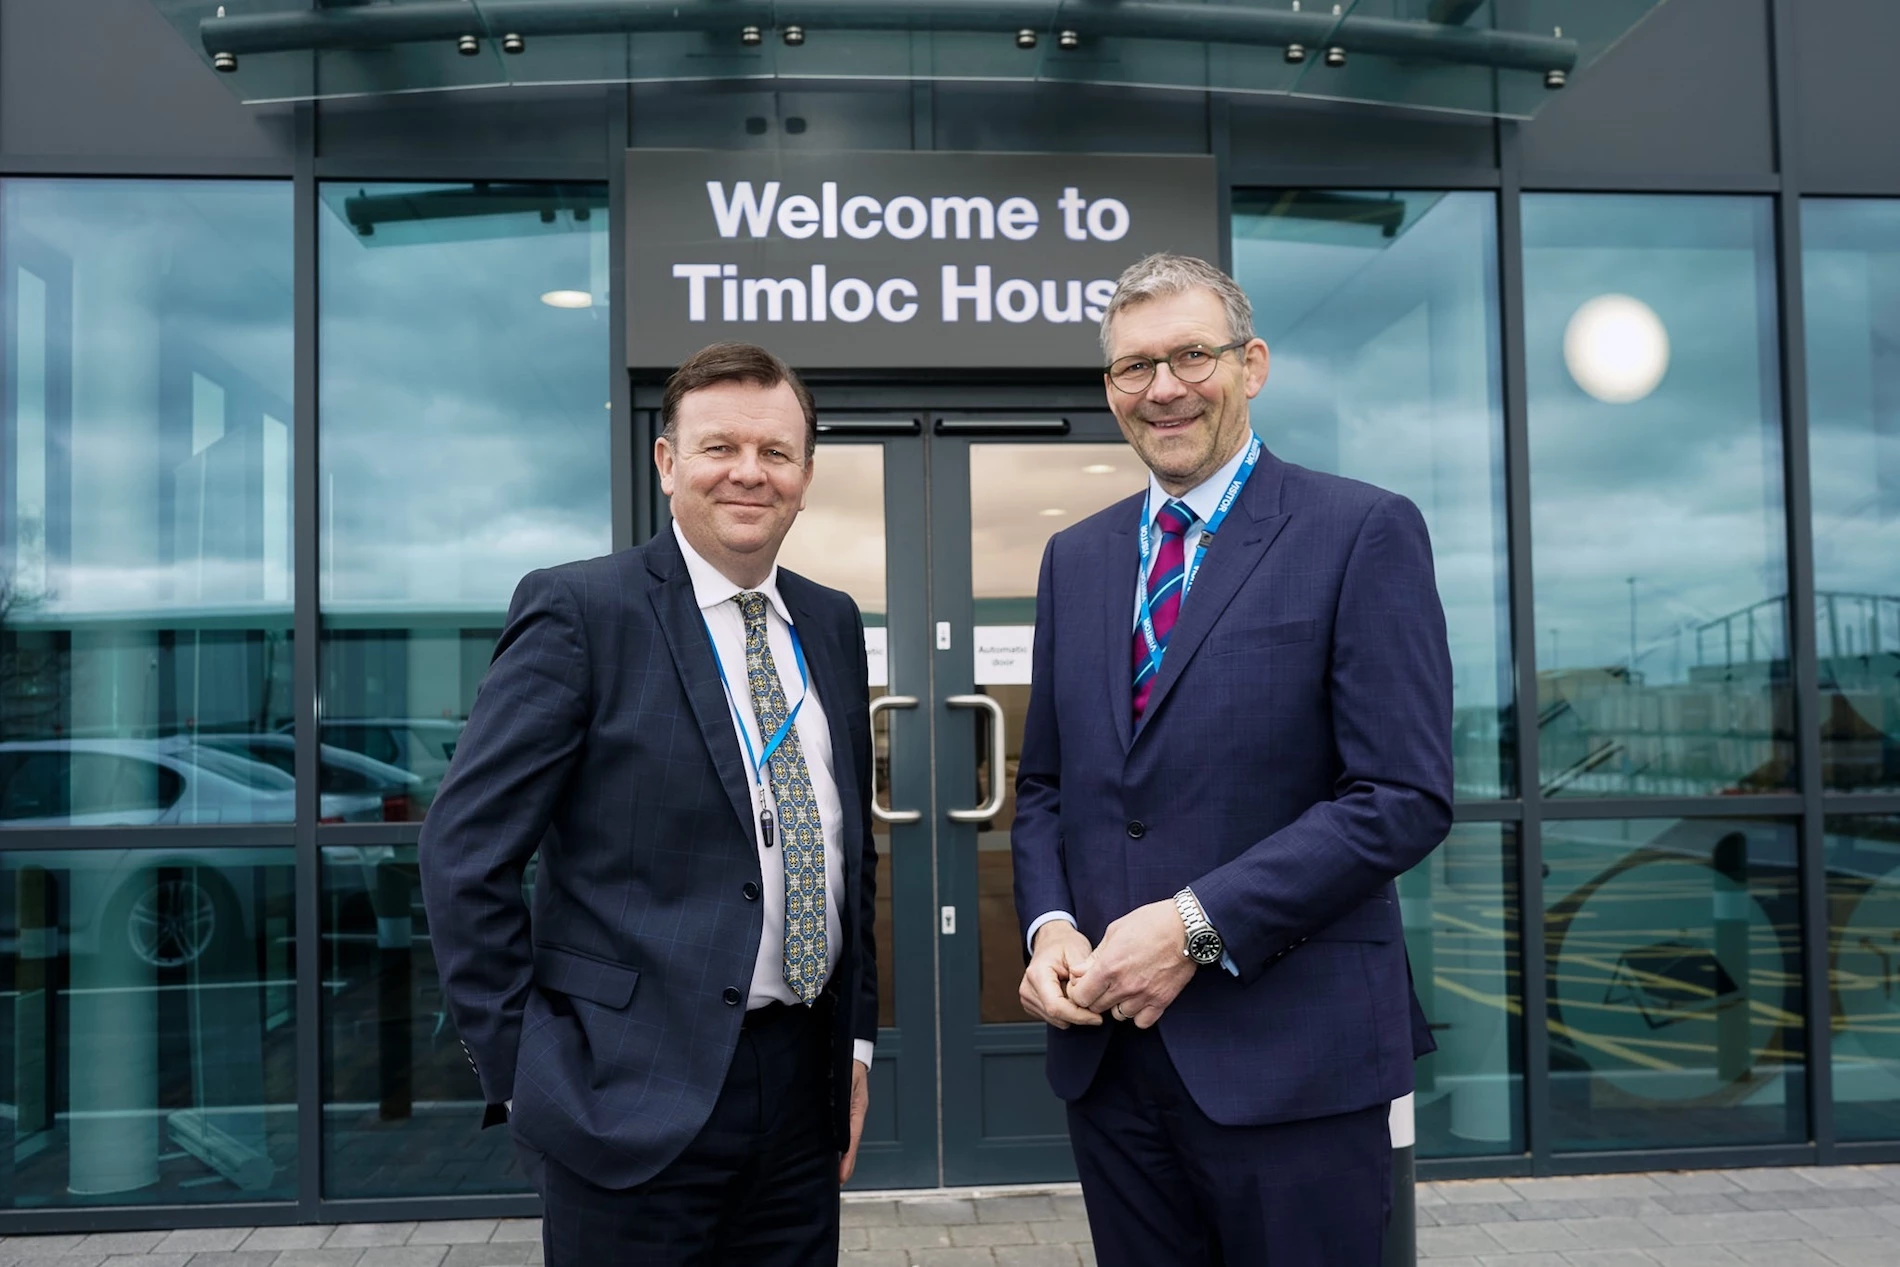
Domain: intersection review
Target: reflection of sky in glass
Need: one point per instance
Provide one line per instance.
(1380, 313)
(1681, 489)
(147, 463)
(1851, 265)
(464, 428)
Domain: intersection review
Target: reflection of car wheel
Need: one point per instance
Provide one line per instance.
(172, 922)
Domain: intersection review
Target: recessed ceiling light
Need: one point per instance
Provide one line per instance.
(568, 299)
(1098, 468)
(1053, 511)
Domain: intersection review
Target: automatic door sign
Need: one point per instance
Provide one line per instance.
(1671, 981)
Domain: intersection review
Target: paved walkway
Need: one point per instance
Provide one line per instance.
(1844, 1216)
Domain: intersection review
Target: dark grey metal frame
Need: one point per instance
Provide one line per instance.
(635, 514)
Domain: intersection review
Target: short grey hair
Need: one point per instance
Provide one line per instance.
(1164, 274)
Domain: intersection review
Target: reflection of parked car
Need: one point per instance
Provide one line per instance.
(340, 774)
(420, 745)
(141, 782)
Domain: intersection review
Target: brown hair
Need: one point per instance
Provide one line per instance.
(733, 363)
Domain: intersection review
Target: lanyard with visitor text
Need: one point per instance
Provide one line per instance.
(1144, 607)
(760, 761)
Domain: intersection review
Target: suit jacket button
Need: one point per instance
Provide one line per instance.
(751, 891)
(731, 996)
(1136, 829)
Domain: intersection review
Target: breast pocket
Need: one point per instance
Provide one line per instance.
(1241, 639)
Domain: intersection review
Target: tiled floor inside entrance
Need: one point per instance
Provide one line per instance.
(1842, 1216)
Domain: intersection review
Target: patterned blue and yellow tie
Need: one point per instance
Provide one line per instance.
(799, 831)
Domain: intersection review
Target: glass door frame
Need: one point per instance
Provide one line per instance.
(993, 1074)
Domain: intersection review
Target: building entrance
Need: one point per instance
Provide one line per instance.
(935, 522)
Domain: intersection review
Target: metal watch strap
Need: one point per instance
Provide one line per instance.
(1193, 918)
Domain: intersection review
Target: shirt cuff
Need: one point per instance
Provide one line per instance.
(1044, 919)
(861, 1049)
(1227, 962)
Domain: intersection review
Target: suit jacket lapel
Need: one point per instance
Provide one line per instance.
(691, 645)
(1235, 553)
(1120, 559)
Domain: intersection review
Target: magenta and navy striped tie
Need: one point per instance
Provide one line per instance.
(1167, 578)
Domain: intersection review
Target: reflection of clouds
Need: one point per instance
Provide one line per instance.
(94, 588)
(1011, 484)
(1385, 369)
(464, 434)
(1851, 267)
(838, 539)
(161, 281)
(1681, 489)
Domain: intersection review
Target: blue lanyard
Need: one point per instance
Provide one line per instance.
(1227, 500)
(760, 761)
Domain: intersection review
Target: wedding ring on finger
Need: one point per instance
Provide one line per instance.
(1117, 1013)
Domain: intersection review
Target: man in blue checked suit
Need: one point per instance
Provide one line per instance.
(680, 1032)
(1239, 733)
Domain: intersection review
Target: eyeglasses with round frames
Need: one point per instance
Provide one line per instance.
(1191, 364)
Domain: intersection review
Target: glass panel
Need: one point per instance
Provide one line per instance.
(149, 1014)
(1851, 263)
(1863, 901)
(1673, 955)
(464, 368)
(1020, 496)
(400, 1103)
(1380, 310)
(1656, 506)
(144, 498)
(838, 540)
(1461, 926)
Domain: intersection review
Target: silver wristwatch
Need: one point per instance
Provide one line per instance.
(1204, 945)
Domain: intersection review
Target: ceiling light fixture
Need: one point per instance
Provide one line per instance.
(1098, 468)
(1616, 348)
(567, 299)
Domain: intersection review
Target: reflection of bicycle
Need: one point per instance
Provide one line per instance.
(1671, 978)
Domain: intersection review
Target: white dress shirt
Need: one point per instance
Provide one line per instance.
(1203, 499)
(714, 594)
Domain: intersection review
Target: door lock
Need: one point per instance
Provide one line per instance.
(949, 920)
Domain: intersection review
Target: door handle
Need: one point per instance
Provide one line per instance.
(987, 810)
(878, 812)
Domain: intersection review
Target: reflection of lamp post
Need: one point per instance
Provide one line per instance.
(1631, 582)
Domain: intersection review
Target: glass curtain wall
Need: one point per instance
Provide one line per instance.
(1658, 540)
(145, 617)
(462, 381)
(1851, 269)
(1851, 273)
(1380, 312)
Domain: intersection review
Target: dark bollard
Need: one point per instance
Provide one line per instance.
(1401, 1229)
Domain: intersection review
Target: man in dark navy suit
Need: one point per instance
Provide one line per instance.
(1239, 733)
(680, 1033)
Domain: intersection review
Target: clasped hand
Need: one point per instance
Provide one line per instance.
(1134, 974)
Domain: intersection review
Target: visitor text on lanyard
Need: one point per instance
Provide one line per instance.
(760, 760)
(1144, 607)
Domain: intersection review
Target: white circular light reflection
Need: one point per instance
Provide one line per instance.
(568, 299)
(1098, 468)
(1616, 348)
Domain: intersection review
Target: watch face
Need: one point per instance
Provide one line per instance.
(1204, 947)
